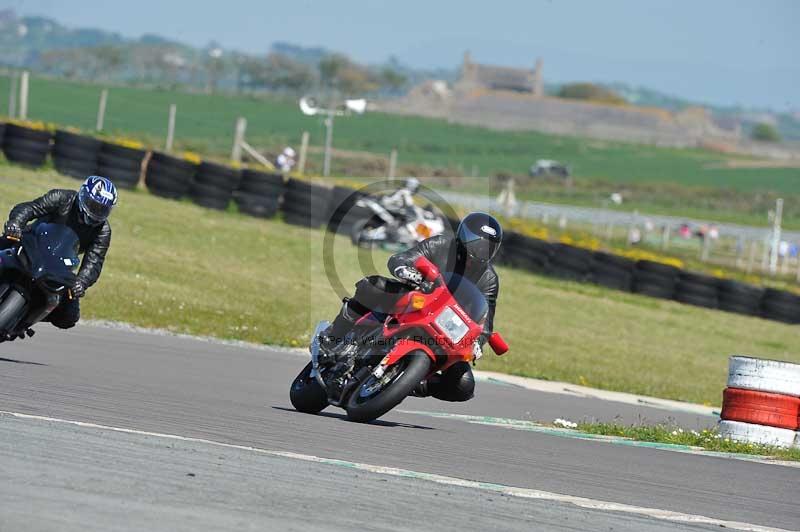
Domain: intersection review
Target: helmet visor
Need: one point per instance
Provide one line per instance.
(94, 210)
(479, 247)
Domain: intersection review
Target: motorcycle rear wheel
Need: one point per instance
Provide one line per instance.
(363, 405)
(12, 309)
(306, 394)
(356, 233)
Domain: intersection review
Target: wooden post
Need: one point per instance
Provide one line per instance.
(752, 258)
(238, 138)
(173, 109)
(392, 163)
(12, 95)
(705, 250)
(798, 268)
(326, 163)
(765, 256)
(101, 110)
(24, 86)
(776, 236)
(301, 164)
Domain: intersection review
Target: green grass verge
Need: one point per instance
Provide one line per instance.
(710, 440)
(184, 268)
(205, 124)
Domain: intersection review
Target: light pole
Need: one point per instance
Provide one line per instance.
(309, 107)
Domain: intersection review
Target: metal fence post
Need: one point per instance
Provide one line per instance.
(24, 86)
(12, 95)
(173, 109)
(238, 138)
(301, 164)
(101, 110)
(392, 163)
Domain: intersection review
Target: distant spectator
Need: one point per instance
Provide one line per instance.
(634, 236)
(684, 231)
(285, 161)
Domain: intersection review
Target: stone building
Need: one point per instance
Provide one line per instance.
(506, 98)
(500, 78)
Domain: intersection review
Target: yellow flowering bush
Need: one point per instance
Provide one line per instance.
(33, 124)
(192, 157)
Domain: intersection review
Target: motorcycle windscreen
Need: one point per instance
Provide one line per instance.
(468, 296)
(53, 252)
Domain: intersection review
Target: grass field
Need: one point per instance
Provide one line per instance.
(188, 269)
(205, 124)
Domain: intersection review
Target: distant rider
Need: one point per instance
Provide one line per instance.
(286, 160)
(403, 199)
(85, 212)
(469, 254)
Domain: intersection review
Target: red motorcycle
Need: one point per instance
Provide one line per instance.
(388, 355)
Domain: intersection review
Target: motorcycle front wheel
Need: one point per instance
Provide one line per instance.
(374, 397)
(306, 394)
(12, 309)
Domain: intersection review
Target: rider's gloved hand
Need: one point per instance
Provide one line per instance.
(407, 273)
(78, 290)
(12, 230)
(477, 351)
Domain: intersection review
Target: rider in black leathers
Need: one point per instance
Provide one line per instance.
(62, 207)
(469, 254)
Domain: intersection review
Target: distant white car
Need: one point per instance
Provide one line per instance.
(549, 167)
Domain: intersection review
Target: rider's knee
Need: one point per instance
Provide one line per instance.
(457, 384)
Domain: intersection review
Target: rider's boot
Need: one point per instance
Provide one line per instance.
(332, 338)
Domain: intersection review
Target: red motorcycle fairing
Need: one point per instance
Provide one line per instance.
(404, 346)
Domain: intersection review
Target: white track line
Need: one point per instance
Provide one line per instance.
(523, 493)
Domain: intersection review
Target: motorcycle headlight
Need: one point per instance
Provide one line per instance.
(452, 325)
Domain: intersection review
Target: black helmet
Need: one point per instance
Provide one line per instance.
(479, 235)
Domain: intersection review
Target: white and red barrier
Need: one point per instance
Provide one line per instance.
(762, 402)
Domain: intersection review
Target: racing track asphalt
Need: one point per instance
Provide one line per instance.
(238, 395)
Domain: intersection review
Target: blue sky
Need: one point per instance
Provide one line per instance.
(724, 52)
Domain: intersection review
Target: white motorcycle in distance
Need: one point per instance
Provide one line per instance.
(394, 230)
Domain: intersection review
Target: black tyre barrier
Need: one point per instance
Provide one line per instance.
(344, 212)
(655, 279)
(27, 133)
(169, 177)
(24, 157)
(526, 253)
(219, 176)
(259, 193)
(120, 164)
(210, 196)
(611, 276)
(781, 306)
(612, 271)
(2, 132)
(214, 184)
(26, 146)
(75, 155)
(260, 206)
(306, 204)
(697, 289)
(77, 168)
(739, 297)
(122, 151)
(568, 262)
(69, 141)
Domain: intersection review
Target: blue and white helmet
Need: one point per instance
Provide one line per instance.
(96, 197)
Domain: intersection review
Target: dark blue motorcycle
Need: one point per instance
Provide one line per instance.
(36, 273)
